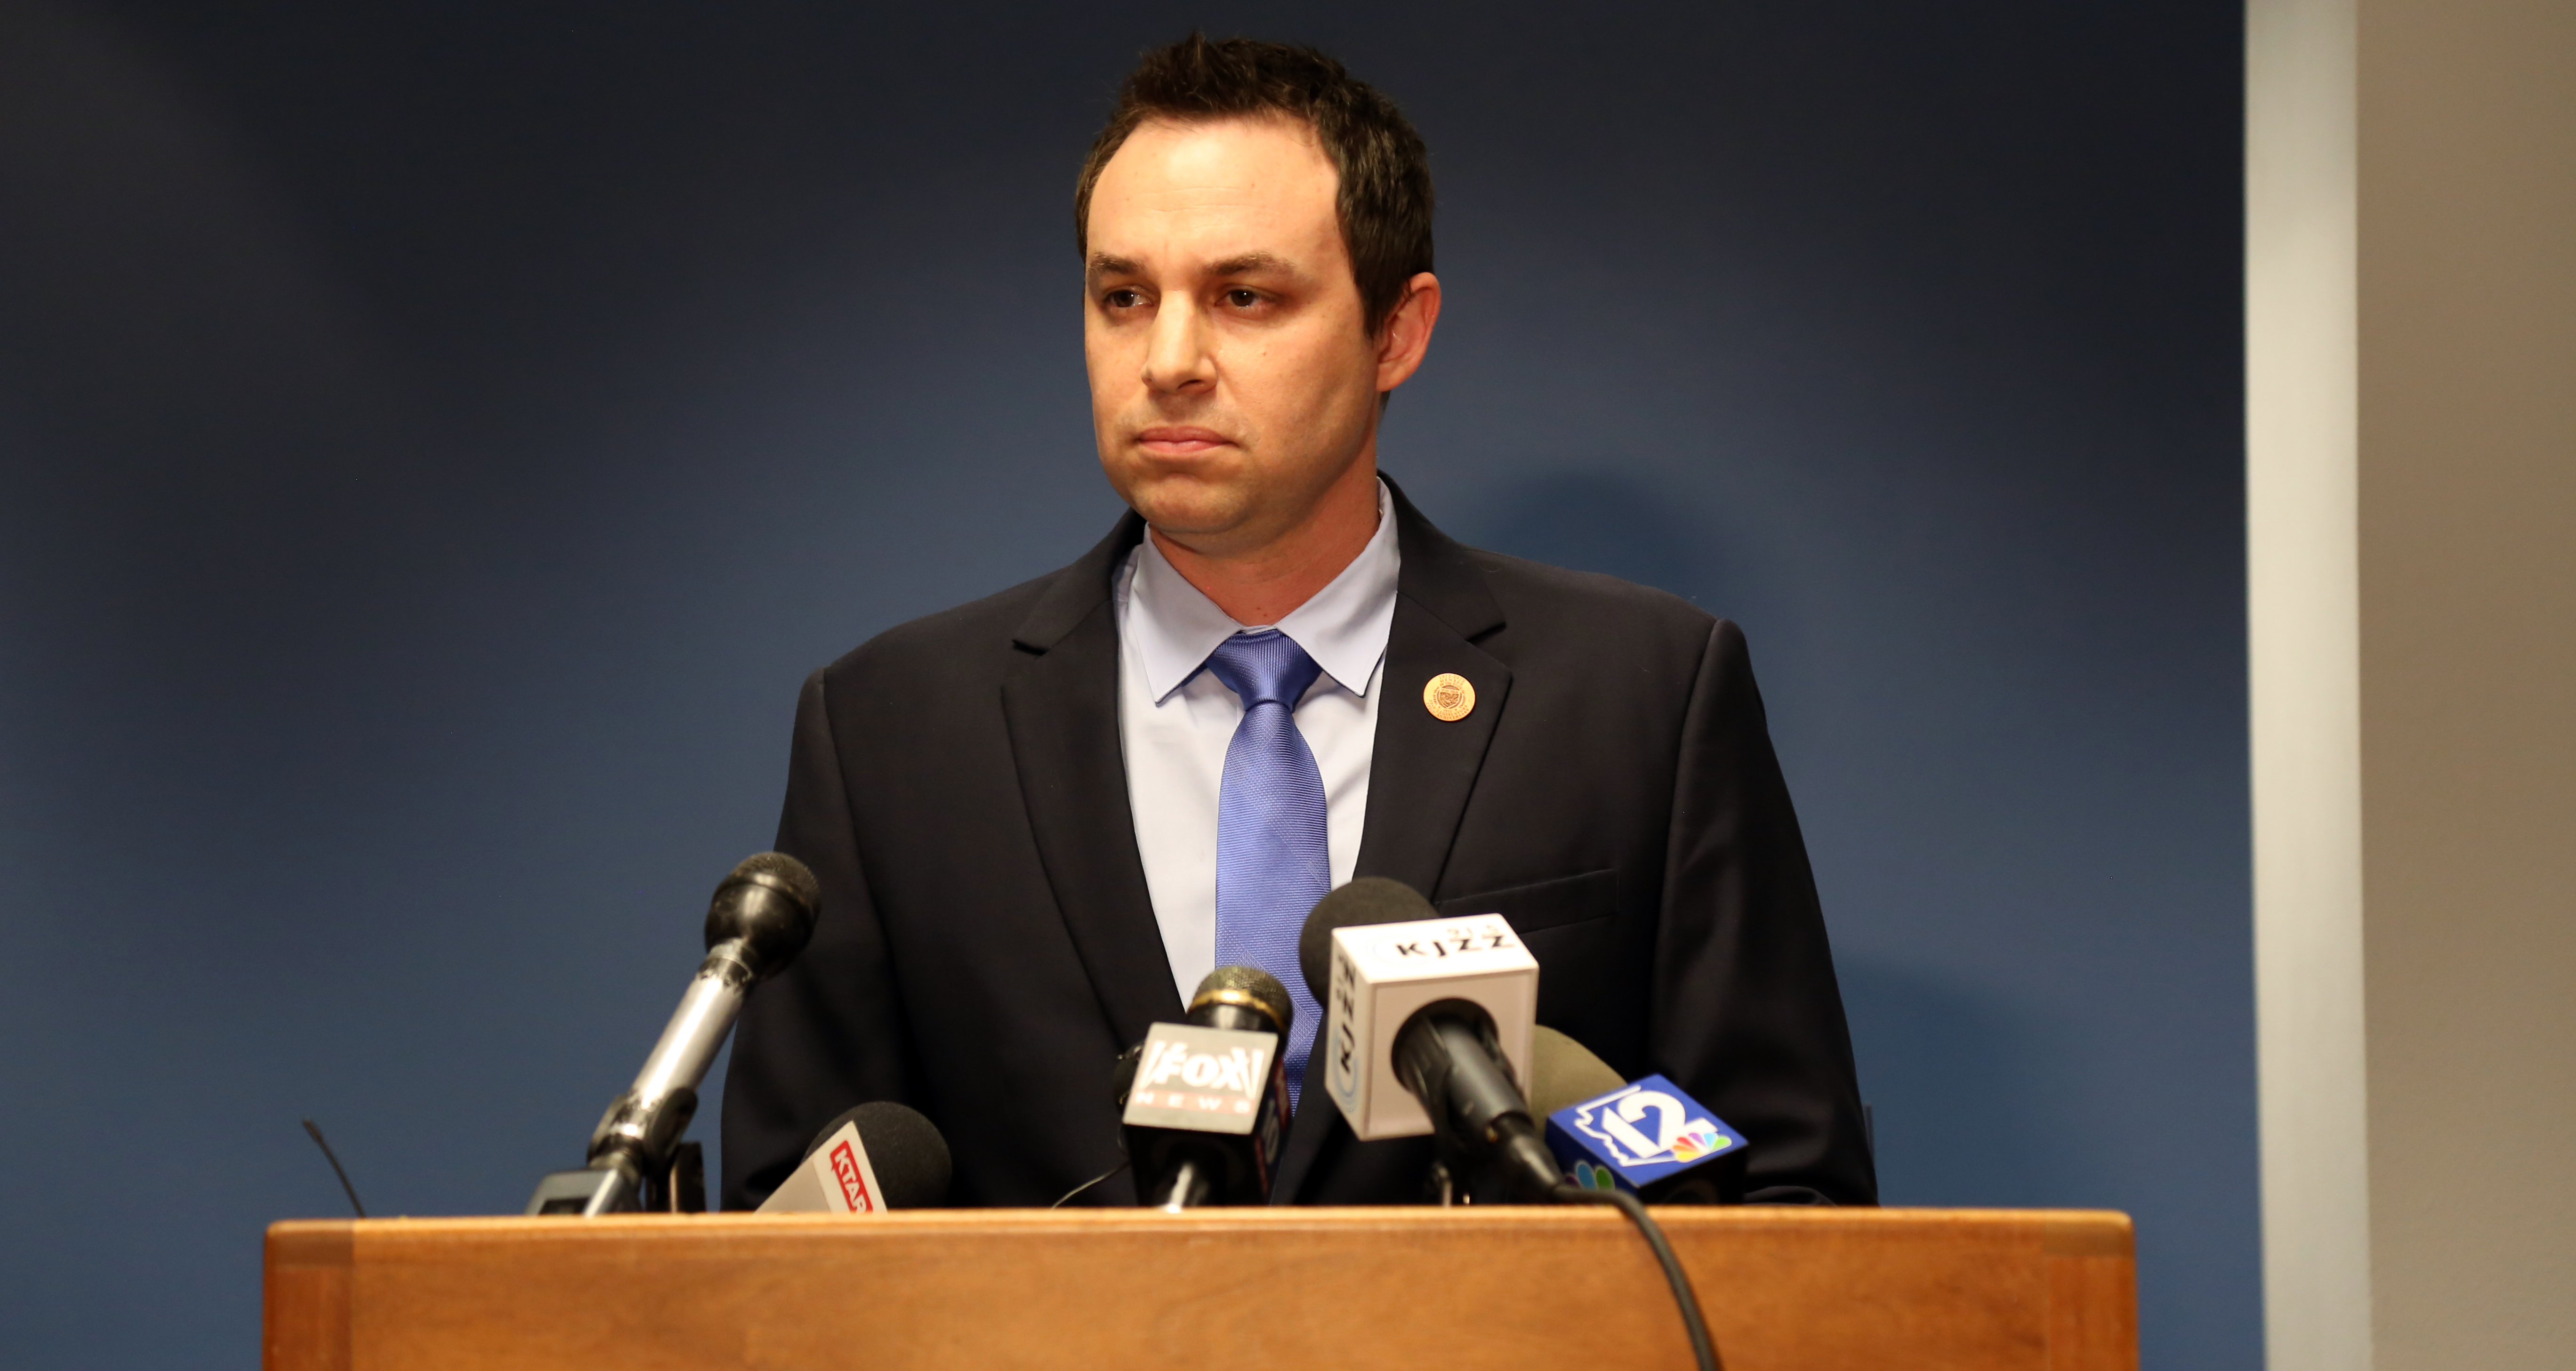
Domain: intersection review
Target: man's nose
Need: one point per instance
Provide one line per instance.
(1177, 358)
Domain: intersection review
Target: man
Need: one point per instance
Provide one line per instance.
(1040, 818)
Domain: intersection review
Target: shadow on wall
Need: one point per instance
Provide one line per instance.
(1971, 1102)
(1607, 522)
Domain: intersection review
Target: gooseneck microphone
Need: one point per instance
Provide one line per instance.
(760, 918)
(1435, 1006)
(1207, 1102)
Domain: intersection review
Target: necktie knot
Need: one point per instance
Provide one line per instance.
(1264, 668)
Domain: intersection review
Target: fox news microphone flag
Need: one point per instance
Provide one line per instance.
(1207, 1104)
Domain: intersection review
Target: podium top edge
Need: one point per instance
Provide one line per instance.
(2066, 1232)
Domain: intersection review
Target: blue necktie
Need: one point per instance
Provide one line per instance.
(1272, 864)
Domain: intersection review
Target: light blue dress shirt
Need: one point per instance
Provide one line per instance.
(1174, 721)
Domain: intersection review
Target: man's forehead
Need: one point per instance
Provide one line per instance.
(1222, 140)
(1229, 191)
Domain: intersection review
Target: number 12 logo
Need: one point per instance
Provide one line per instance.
(1679, 1138)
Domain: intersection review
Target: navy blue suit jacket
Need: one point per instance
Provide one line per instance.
(987, 946)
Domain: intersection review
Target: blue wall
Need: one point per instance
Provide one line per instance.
(437, 441)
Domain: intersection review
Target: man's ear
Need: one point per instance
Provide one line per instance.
(1407, 334)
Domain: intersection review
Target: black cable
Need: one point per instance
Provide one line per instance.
(335, 1168)
(1086, 1185)
(1702, 1350)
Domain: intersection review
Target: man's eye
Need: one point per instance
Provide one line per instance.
(1123, 299)
(1242, 299)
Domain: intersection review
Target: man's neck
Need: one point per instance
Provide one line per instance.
(1262, 586)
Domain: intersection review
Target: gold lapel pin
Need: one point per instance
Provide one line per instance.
(1448, 697)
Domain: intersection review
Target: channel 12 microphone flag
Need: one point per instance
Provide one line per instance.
(1650, 1138)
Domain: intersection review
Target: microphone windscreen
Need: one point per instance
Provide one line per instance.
(904, 1149)
(783, 871)
(768, 904)
(1368, 900)
(1235, 984)
(1564, 1073)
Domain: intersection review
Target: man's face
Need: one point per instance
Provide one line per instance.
(1233, 378)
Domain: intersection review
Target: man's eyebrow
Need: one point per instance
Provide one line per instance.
(1251, 262)
(1242, 264)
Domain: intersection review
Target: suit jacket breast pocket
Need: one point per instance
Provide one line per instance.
(1569, 925)
(1559, 903)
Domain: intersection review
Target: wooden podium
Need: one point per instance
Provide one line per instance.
(1453, 1289)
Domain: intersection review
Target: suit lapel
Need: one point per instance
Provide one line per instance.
(1061, 706)
(1421, 769)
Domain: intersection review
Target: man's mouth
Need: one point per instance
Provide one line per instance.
(1173, 440)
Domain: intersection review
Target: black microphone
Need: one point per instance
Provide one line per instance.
(1450, 989)
(760, 918)
(1204, 1104)
(879, 1156)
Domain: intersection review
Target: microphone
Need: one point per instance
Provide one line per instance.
(877, 1157)
(1206, 1105)
(1564, 1072)
(1429, 1029)
(758, 921)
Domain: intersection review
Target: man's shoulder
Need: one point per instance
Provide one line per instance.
(1589, 607)
(970, 640)
(976, 640)
(1543, 609)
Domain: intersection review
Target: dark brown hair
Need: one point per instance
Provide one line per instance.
(1385, 199)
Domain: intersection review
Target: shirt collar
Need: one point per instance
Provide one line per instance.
(1343, 627)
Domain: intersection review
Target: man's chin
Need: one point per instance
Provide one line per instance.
(1185, 504)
